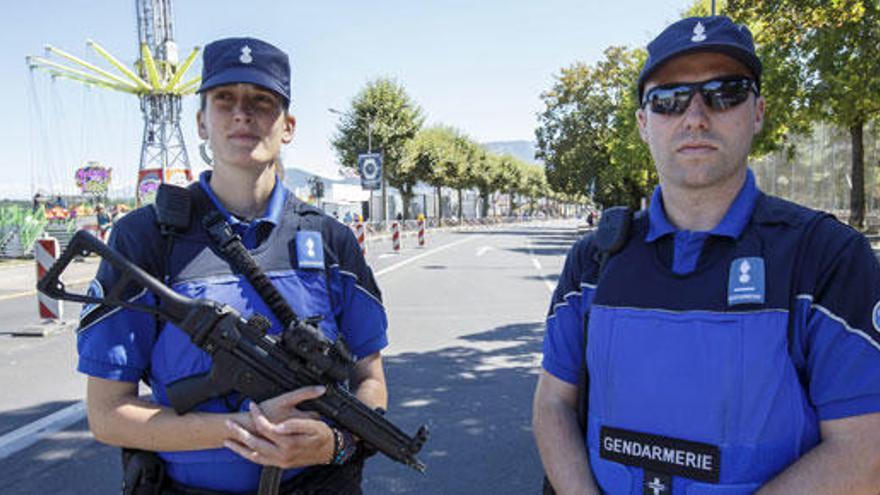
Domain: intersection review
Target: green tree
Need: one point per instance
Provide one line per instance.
(487, 178)
(382, 117)
(512, 176)
(435, 156)
(587, 134)
(462, 174)
(500, 176)
(535, 185)
(831, 52)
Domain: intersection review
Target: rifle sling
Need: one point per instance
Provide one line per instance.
(236, 254)
(232, 249)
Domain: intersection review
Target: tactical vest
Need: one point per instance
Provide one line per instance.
(195, 268)
(692, 392)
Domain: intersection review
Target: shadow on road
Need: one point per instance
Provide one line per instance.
(68, 463)
(476, 399)
(554, 278)
(547, 244)
(13, 419)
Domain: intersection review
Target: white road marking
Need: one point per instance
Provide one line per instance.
(483, 250)
(30, 434)
(547, 282)
(422, 255)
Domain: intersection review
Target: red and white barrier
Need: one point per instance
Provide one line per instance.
(421, 232)
(395, 237)
(46, 251)
(360, 232)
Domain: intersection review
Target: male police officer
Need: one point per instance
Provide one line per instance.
(733, 342)
(315, 263)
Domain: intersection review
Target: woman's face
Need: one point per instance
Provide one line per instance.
(245, 125)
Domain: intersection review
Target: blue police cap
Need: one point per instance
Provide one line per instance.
(245, 60)
(701, 34)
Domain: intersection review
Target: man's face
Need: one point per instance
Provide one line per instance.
(245, 124)
(700, 148)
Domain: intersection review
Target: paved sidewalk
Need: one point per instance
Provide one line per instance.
(19, 277)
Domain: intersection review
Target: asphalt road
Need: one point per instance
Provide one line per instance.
(465, 327)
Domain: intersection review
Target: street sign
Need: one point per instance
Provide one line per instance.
(370, 168)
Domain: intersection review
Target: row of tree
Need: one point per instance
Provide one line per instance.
(383, 117)
(821, 64)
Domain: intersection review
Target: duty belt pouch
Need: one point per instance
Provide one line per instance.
(143, 473)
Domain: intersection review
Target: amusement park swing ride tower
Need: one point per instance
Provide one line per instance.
(157, 80)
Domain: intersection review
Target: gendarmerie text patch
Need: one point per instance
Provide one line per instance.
(694, 460)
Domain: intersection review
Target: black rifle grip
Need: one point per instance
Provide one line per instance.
(185, 394)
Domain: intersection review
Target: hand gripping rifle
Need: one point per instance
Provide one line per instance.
(245, 359)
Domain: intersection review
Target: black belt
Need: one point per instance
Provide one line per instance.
(319, 480)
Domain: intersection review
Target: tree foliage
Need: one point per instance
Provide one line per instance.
(384, 108)
(587, 134)
(823, 64)
(443, 156)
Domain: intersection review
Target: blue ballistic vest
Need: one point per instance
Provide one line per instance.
(689, 394)
(195, 269)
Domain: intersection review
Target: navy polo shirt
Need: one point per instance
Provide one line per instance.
(254, 232)
(687, 244)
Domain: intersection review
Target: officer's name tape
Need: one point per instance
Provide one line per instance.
(694, 460)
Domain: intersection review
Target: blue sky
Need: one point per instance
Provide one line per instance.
(479, 65)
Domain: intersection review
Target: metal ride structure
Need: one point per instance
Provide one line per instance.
(157, 79)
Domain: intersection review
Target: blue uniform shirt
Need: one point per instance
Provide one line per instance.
(743, 343)
(254, 232)
(125, 345)
(688, 244)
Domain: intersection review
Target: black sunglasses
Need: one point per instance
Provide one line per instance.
(719, 94)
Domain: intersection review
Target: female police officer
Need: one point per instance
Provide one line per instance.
(245, 94)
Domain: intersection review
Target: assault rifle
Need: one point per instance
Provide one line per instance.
(245, 359)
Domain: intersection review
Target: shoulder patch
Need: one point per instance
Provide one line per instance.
(875, 317)
(746, 281)
(309, 249)
(95, 290)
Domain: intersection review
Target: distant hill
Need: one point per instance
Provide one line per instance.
(524, 150)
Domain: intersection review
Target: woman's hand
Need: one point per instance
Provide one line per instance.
(277, 433)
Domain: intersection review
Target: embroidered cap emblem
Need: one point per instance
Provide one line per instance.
(245, 57)
(310, 248)
(699, 33)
